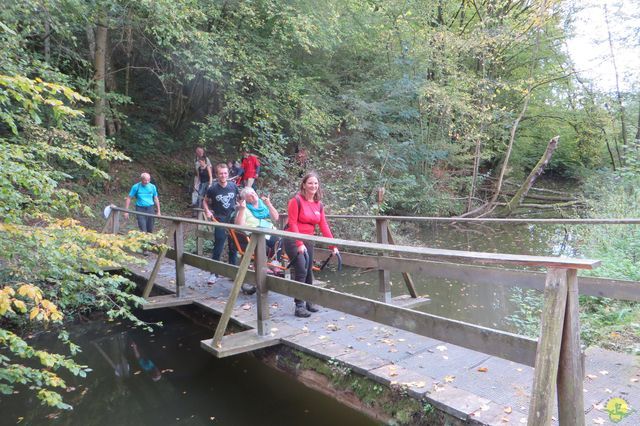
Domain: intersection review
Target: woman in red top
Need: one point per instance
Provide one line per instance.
(305, 212)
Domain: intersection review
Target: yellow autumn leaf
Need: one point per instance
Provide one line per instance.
(34, 312)
(20, 305)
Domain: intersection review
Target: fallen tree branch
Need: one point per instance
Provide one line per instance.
(535, 173)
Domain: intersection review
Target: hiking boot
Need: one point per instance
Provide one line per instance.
(213, 278)
(312, 307)
(301, 311)
(248, 289)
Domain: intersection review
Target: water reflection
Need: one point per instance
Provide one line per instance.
(165, 378)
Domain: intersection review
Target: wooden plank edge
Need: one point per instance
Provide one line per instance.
(513, 347)
(166, 301)
(238, 343)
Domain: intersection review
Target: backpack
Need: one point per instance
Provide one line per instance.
(297, 197)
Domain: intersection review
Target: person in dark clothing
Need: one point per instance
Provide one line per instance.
(205, 178)
(219, 203)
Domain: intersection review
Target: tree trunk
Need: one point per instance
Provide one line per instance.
(47, 40)
(99, 62)
(535, 173)
(638, 131)
(128, 51)
(618, 94)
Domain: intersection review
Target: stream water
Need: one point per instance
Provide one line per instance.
(477, 304)
(164, 378)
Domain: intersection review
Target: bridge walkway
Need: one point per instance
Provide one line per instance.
(472, 386)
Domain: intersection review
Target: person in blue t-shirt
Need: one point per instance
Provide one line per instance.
(146, 195)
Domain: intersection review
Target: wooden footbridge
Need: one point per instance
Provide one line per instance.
(476, 374)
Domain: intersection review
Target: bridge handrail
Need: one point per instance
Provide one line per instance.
(469, 256)
(443, 219)
(556, 354)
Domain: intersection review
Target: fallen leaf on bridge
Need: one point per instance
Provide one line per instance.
(604, 372)
(508, 410)
(332, 327)
(598, 421)
(449, 379)
(505, 420)
(441, 348)
(483, 369)
(592, 376)
(246, 306)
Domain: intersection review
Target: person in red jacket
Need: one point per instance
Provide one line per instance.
(250, 169)
(305, 213)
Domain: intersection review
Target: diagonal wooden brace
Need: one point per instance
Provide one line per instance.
(235, 290)
(156, 267)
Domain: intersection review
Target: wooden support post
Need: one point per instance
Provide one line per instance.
(109, 224)
(235, 290)
(262, 301)
(178, 244)
(156, 268)
(571, 369)
(154, 273)
(548, 351)
(405, 275)
(115, 222)
(199, 239)
(384, 287)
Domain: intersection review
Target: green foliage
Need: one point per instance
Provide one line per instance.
(604, 322)
(50, 267)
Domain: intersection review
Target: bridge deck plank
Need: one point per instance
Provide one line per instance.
(445, 375)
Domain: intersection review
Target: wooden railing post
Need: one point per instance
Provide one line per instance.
(262, 301)
(178, 244)
(115, 224)
(384, 287)
(199, 239)
(571, 369)
(407, 277)
(548, 350)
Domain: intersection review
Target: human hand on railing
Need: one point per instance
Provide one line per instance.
(208, 214)
(302, 249)
(241, 204)
(126, 215)
(335, 250)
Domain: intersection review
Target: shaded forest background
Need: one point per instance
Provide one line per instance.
(430, 99)
(439, 102)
